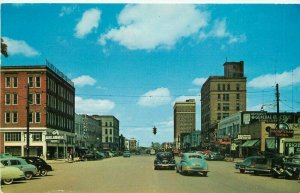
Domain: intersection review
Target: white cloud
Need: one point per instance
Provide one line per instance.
(219, 30)
(93, 106)
(148, 27)
(199, 81)
(67, 10)
(154, 98)
(269, 80)
(89, 21)
(20, 47)
(84, 80)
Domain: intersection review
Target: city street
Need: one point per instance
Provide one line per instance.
(136, 175)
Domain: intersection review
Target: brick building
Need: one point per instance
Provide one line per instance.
(51, 111)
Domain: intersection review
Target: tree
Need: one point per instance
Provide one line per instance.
(4, 48)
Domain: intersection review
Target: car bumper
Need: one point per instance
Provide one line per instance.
(164, 165)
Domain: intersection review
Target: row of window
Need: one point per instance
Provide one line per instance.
(16, 136)
(60, 105)
(12, 82)
(227, 87)
(13, 117)
(59, 121)
(60, 90)
(226, 97)
(13, 99)
(226, 107)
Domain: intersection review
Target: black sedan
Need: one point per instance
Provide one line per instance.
(42, 166)
(164, 160)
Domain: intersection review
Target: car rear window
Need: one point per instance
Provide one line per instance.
(195, 156)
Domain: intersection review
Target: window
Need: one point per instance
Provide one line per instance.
(223, 86)
(237, 96)
(37, 117)
(238, 106)
(110, 123)
(30, 81)
(30, 98)
(219, 116)
(225, 97)
(225, 115)
(110, 131)
(225, 106)
(38, 98)
(15, 99)
(15, 82)
(106, 131)
(219, 106)
(237, 86)
(228, 86)
(36, 136)
(7, 117)
(12, 136)
(7, 99)
(30, 118)
(15, 117)
(219, 87)
(37, 82)
(219, 96)
(14, 162)
(7, 82)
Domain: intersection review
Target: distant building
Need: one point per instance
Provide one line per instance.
(184, 120)
(192, 140)
(110, 131)
(133, 145)
(51, 111)
(222, 96)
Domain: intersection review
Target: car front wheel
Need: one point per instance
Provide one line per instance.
(242, 171)
(28, 175)
(8, 181)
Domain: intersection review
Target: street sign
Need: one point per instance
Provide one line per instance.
(281, 133)
(244, 137)
(54, 137)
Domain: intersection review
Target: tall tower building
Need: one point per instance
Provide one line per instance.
(222, 96)
(184, 120)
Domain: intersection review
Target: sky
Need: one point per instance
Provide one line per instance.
(134, 61)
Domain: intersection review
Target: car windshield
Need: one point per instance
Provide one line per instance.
(164, 155)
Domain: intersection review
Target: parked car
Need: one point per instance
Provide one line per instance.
(292, 167)
(164, 160)
(126, 154)
(152, 152)
(42, 166)
(94, 155)
(192, 163)
(248, 162)
(9, 174)
(28, 169)
(215, 156)
(265, 165)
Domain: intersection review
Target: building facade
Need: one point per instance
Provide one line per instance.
(110, 131)
(184, 120)
(222, 96)
(51, 113)
(192, 140)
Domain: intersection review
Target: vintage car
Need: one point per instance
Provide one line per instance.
(126, 154)
(164, 160)
(248, 162)
(42, 166)
(28, 169)
(292, 167)
(192, 163)
(265, 165)
(215, 156)
(8, 174)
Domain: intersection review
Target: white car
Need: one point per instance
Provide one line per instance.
(8, 174)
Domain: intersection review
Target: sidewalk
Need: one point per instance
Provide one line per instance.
(234, 160)
(61, 161)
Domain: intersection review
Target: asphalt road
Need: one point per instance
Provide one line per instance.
(136, 175)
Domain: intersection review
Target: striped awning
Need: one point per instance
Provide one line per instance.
(251, 143)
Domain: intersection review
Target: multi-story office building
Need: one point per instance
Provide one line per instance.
(133, 144)
(50, 95)
(110, 131)
(87, 132)
(184, 120)
(222, 96)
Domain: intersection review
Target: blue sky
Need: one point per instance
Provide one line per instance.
(134, 61)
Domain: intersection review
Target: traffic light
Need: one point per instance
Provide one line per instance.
(154, 130)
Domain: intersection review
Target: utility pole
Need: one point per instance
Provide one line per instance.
(277, 118)
(28, 113)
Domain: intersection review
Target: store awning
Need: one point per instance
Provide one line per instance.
(270, 143)
(251, 143)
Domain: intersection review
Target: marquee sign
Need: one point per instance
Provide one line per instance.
(281, 133)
